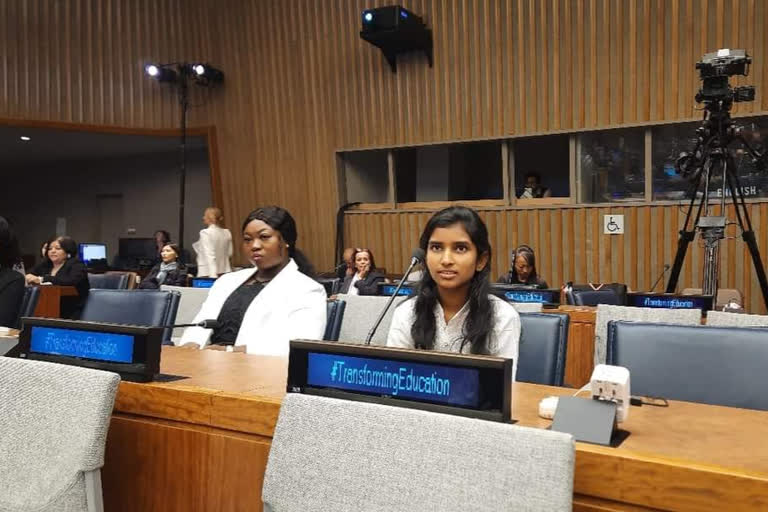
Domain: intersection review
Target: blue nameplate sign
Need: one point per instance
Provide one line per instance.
(518, 293)
(662, 300)
(99, 346)
(467, 385)
(202, 282)
(389, 289)
(132, 351)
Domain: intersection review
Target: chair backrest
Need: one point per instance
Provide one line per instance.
(543, 344)
(190, 302)
(711, 365)
(53, 429)
(593, 297)
(527, 307)
(606, 313)
(723, 319)
(108, 281)
(133, 307)
(360, 313)
(28, 303)
(335, 316)
(475, 464)
(332, 285)
(132, 278)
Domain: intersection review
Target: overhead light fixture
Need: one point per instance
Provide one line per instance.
(25, 138)
(161, 73)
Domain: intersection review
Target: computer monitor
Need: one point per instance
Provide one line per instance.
(92, 254)
(137, 252)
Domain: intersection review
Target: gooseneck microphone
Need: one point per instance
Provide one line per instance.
(417, 256)
(205, 324)
(661, 276)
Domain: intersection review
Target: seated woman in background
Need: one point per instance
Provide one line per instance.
(11, 282)
(275, 301)
(453, 310)
(365, 280)
(170, 271)
(523, 269)
(64, 269)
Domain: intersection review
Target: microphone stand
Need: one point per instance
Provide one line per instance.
(368, 338)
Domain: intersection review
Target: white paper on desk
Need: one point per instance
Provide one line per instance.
(5, 331)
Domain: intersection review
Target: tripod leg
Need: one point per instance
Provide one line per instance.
(686, 237)
(742, 215)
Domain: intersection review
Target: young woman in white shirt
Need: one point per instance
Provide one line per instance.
(271, 303)
(453, 310)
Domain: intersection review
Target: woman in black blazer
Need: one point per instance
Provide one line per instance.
(169, 271)
(11, 281)
(63, 269)
(366, 279)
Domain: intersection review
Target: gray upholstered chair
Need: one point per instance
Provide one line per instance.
(190, 302)
(606, 313)
(543, 346)
(711, 365)
(527, 307)
(110, 281)
(360, 313)
(723, 319)
(330, 454)
(53, 428)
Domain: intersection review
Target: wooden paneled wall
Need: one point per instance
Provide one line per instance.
(570, 244)
(300, 85)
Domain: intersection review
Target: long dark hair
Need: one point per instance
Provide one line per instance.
(10, 254)
(480, 315)
(281, 220)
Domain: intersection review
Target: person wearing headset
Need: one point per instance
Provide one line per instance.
(523, 269)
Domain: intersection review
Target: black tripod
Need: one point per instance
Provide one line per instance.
(711, 157)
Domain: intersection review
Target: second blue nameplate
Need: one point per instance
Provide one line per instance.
(465, 385)
(529, 294)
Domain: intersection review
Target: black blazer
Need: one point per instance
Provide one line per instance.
(72, 273)
(11, 295)
(176, 277)
(367, 286)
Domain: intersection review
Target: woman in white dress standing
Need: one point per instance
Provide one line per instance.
(214, 247)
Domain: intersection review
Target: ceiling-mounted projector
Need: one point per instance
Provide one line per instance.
(396, 30)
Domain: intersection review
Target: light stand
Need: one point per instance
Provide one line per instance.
(180, 74)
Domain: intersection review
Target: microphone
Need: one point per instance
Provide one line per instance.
(417, 256)
(205, 324)
(661, 276)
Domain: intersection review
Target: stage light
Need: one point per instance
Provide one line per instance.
(368, 16)
(160, 73)
(206, 75)
(25, 138)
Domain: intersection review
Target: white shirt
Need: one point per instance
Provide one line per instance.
(213, 251)
(504, 337)
(353, 290)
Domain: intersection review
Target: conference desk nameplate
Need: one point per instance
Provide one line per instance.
(465, 385)
(131, 351)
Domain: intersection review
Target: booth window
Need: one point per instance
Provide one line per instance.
(611, 165)
(449, 172)
(546, 159)
(667, 142)
(366, 176)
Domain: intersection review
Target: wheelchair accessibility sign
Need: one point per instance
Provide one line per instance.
(613, 224)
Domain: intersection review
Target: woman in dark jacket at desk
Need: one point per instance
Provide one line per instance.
(63, 269)
(170, 271)
(365, 280)
(11, 281)
(523, 271)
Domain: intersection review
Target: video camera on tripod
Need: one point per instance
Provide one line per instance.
(712, 158)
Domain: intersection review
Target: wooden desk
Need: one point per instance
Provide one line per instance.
(49, 305)
(579, 358)
(201, 444)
